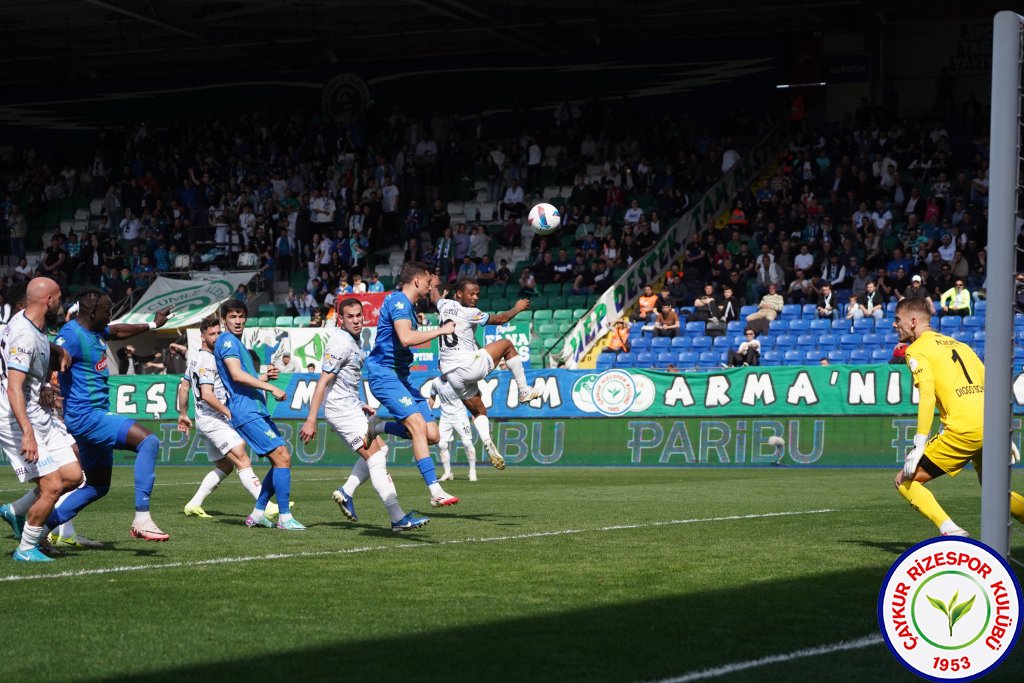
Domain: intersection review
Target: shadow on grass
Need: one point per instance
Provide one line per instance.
(637, 641)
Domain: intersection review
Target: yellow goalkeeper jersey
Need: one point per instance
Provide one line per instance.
(953, 373)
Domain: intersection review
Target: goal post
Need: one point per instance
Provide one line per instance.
(1004, 185)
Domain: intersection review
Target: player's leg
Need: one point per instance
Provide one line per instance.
(420, 427)
(98, 465)
(67, 477)
(465, 433)
(221, 469)
(503, 349)
(14, 512)
(147, 449)
(264, 438)
(446, 430)
(375, 457)
(471, 399)
(942, 455)
(1016, 500)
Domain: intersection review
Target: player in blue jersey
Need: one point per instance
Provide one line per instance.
(388, 365)
(87, 415)
(250, 417)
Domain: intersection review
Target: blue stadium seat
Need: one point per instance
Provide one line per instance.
(664, 358)
(799, 327)
(860, 356)
(973, 322)
(813, 357)
(660, 344)
(696, 327)
(840, 326)
(642, 358)
(779, 326)
(872, 340)
(747, 310)
(771, 358)
(720, 343)
(837, 356)
(687, 359)
(793, 358)
(605, 361)
(625, 360)
(864, 325)
(849, 342)
(979, 336)
(963, 336)
(641, 344)
(821, 325)
(828, 341)
(734, 326)
(700, 343)
(785, 342)
(809, 312)
(710, 359)
(679, 343)
(791, 311)
(950, 324)
(805, 342)
(880, 356)
(890, 309)
(767, 342)
(979, 307)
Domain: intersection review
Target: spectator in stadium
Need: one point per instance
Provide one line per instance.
(486, 271)
(563, 267)
(129, 363)
(748, 352)
(647, 305)
(801, 290)
(916, 290)
(618, 338)
(705, 307)
(853, 309)
(286, 363)
(770, 306)
(728, 306)
(503, 275)
(872, 305)
(768, 273)
(828, 306)
(666, 324)
(514, 201)
(527, 283)
(956, 300)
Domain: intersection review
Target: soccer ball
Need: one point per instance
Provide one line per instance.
(544, 219)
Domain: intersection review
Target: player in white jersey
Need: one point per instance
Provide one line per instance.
(454, 421)
(340, 375)
(464, 363)
(225, 448)
(39, 448)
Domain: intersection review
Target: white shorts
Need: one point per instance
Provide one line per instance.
(55, 448)
(450, 428)
(463, 379)
(221, 438)
(350, 425)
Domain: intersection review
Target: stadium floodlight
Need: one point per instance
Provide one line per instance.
(1004, 168)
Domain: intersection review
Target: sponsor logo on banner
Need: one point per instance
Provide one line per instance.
(614, 392)
(949, 609)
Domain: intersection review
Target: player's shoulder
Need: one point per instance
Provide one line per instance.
(225, 342)
(397, 302)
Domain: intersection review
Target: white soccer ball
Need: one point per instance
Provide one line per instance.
(544, 219)
(776, 441)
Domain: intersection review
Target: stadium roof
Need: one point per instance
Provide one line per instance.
(51, 42)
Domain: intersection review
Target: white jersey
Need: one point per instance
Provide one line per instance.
(460, 347)
(24, 347)
(202, 369)
(343, 357)
(452, 408)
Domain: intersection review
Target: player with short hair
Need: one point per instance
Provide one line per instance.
(463, 363)
(340, 375)
(454, 421)
(948, 373)
(38, 446)
(224, 447)
(87, 415)
(250, 418)
(388, 368)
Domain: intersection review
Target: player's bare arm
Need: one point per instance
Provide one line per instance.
(323, 384)
(210, 397)
(181, 405)
(502, 318)
(238, 374)
(16, 397)
(118, 332)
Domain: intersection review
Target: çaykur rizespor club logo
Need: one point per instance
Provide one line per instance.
(613, 392)
(949, 609)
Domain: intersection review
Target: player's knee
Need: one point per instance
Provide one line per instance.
(50, 488)
(101, 490)
(433, 435)
(72, 480)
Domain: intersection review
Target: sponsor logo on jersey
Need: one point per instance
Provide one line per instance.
(101, 364)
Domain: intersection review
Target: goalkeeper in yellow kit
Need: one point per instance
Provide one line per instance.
(949, 374)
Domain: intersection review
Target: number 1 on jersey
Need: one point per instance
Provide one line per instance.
(958, 359)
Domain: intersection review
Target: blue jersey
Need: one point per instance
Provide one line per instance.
(388, 351)
(245, 403)
(84, 386)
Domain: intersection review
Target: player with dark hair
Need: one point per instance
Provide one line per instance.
(947, 373)
(87, 415)
(388, 365)
(250, 417)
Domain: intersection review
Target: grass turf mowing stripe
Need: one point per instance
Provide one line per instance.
(727, 669)
(367, 549)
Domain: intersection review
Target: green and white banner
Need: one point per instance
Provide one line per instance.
(193, 299)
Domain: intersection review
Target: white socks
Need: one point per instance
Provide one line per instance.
(483, 427)
(22, 505)
(360, 473)
(377, 464)
(67, 530)
(211, 481)
(141, 517)
(515, 365)
(471, 457)
(446, 459)
(250, 481)
(945, 528)
(30, 537)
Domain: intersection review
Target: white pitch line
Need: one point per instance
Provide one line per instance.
(727, 669)
(373, 548)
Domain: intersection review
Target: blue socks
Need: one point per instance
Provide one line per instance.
(74, 503)
(426, 466)
(145, 471)
(396, 429)
(282, 482)
(266, 490)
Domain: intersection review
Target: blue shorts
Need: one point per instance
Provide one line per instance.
(100, 428)
(398, 395)
(261, 434)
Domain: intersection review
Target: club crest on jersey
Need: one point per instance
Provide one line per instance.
(399, 306)
(227, 344)
(405, 401)
(59, 341)
(101, 364)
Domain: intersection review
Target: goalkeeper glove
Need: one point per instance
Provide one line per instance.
(914, 456)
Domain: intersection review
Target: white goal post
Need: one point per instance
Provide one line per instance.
(1004, 186)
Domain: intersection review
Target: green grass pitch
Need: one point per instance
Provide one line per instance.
(538, 575)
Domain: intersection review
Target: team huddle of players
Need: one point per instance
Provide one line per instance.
(71, 461)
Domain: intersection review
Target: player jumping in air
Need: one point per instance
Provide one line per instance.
(250, 418)
(340, 375)
(464, 363)
(454, 421)
(87, 415)
(388, 365)
(949, 373)
(224, 447)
